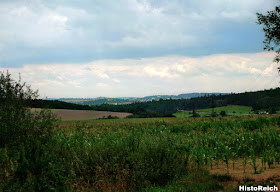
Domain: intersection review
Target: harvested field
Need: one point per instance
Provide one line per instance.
(67, 115)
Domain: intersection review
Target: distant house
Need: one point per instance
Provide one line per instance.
(263, 113)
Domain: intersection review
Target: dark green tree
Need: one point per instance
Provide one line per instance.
(271, 28)
(223, 113)
(195, 115)
(18, 124)
(272, 110)
(214, 114)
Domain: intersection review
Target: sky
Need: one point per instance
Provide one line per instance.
(135, 48)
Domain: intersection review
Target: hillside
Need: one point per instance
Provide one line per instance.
(130, 100)
(260, 100)
(268, 100)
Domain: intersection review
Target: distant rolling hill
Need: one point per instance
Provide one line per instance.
(193, 95)
(265, 100)
(158, 106)
(129, 100)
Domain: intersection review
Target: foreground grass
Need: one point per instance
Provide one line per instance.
(165, 154)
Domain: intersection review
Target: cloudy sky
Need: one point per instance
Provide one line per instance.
(68, 48)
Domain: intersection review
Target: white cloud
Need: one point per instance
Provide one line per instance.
(116, 80)
(148, 76)
(102, 75)
(159, 71)
(101, 85)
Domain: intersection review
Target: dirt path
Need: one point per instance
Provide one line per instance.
(265, 175)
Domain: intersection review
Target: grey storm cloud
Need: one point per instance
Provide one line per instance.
(60, 31)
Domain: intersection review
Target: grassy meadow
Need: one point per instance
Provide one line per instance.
(233, 110)
(159, 154)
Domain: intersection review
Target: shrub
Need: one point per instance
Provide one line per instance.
(17, 123)
(195, 115)
(25, 138)
(223, 113)
(214, 114)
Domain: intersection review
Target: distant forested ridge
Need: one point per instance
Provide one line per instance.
(129, 100)
(259, 100)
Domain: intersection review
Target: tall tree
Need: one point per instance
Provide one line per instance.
(271, 28)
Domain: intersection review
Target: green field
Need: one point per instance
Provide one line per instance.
(159, 154)
(230, 110)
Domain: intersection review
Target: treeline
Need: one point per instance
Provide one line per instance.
(260, 100)
(55, 104)
(143, 109)
(140, 110)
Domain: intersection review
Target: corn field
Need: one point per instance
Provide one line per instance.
(133, 154)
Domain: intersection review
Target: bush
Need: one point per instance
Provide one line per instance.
(17, 123)
(26, 138)
(214, 114)
(195, 115)
(223, 113)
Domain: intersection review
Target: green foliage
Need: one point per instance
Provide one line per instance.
(55, 104)
(272, 110)
(271, 23)
(13, 111)
(109, 117)
(223, 113)
(194, 181)
(214, 114)
(17, 123)
(24, 137)
(195, 115)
